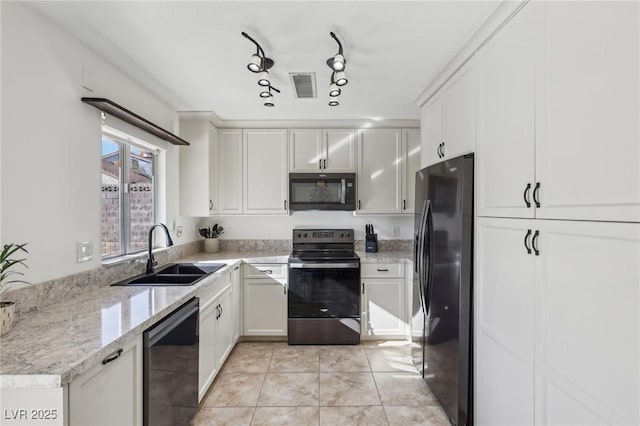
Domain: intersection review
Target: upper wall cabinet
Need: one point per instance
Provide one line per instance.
(230, 171)
(588, 155)
(198, 177)
(506, 75)
(379, 171)
(558, 114)
(322, 150)
(411, 150)
(449, 118)
(265, 171)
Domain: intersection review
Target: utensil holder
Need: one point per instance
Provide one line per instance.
(211, 245)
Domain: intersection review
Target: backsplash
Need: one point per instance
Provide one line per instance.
(53, 291)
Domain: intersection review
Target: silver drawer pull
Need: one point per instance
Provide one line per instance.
(383, 270)
(267, 271)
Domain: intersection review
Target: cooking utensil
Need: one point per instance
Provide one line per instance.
(203, 232)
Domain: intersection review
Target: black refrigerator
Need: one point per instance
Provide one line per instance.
(442, 284)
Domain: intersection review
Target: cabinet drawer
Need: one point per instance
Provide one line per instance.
(276, 270)
(382, 270)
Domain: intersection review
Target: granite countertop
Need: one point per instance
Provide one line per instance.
(49, 347)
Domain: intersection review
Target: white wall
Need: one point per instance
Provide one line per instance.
(50, 161)
(280, 227)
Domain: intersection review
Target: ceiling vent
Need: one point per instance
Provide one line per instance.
(304, 84)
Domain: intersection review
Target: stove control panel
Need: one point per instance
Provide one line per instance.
(323, 236)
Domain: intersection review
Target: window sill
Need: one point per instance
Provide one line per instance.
(143, 255)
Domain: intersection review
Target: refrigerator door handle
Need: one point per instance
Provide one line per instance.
(420, 255)
(430, 245)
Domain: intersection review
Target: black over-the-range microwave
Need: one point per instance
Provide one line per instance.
(322, 191)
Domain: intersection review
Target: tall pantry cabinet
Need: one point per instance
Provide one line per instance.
(557, 247)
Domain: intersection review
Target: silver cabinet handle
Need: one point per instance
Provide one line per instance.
(267, 271)
(285, 204)
(210, 205)
(325, 163)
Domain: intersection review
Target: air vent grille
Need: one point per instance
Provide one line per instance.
(304, 84)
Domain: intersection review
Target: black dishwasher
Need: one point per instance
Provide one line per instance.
(170, 391)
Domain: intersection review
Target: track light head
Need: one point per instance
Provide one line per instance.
(255, 63)
(263, 78)
(265, 94)
(341, 78)
(334, 90)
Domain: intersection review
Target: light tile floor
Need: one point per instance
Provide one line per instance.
(271, 383)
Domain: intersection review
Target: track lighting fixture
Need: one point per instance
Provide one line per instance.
(338, 78)
(260, 64)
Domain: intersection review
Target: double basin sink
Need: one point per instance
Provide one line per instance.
(177, 274)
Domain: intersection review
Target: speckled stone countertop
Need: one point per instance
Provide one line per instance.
(49, 347)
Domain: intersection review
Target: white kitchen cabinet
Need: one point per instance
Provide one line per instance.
(207, 360)
(230, 187)
(379, 171)
(411, 149)
(236, 302)
(431, 130)
(504, 325)
(225, 327)
(558, 114)
(449, 118)
(322, 150)
(588, 155)
(561, 324)
(110, 393)
(198, 166)
(383, 301)
(265, 300)
(506, 73)
(265, 171)
(305, 150)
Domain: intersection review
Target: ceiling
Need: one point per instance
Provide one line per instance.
(191, 53)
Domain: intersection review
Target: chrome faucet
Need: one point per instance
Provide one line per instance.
(152, 262)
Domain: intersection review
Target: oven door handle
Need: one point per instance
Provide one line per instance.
(306, 265)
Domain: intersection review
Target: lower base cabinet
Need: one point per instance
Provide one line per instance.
(383, 300)
(557, 322)
(109, 394)
(265, 300)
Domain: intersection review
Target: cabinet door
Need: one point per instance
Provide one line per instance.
(305, 150)
(379, 171)
(207, 357)
(506, 73)
(504, 323)
(588, 323)
(588, 155)
(339, 150)
(230, 171)
(459, 113)
(195, 173)
(410, 165)
(265, 171)
(236, 305)
(431, 130)
(224, 328)
(383, 307)
(110, 394)
(265, 307)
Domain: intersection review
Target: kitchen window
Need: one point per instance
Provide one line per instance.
(128, 193)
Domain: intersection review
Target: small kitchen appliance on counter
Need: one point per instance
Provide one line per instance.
(371, 240)
(324, 288)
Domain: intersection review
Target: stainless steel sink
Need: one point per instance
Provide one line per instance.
(178, 274)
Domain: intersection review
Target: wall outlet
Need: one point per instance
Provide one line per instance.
(395, 231)
(84, 251)
(179, 231)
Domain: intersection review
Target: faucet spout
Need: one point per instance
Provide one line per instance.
(151, 262)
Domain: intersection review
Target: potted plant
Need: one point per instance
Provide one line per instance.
(8, 263)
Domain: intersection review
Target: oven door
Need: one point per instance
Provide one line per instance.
(324, 290)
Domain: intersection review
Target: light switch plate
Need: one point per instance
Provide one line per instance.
(395, 231)
(84, 251)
